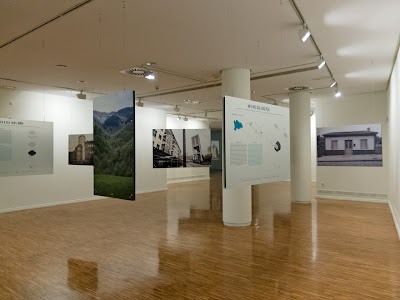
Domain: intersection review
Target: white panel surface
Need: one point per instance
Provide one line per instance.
(26, 147)
(257, 142)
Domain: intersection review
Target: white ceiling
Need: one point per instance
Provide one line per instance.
(196, 38)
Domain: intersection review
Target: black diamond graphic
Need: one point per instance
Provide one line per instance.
(32, 153)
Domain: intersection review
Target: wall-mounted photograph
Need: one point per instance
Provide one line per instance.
(215, 150)
(353, 145)
(80, 149)
(181, 148)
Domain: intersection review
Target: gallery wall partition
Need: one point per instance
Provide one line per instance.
(114, 145)
(256, 142)
(352, 173)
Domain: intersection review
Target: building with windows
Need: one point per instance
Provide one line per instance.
(351, 143)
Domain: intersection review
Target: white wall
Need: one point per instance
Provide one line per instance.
(354, 183)
(147, 178)
(394, 143)
(68, 183)
(187, 174)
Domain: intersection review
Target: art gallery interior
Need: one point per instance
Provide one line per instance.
(179, 192)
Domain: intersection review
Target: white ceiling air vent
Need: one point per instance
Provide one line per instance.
(299, 88)
(138, 72)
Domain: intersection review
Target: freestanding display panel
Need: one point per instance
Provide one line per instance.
(256, 142)
(114, 145)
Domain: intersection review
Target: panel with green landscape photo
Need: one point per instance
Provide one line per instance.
(114, 141)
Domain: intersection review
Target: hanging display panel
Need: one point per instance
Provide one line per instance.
(26, 147)
(80, 149)
(256, 142)
(181, 148)
(350, 146)
(114, 141)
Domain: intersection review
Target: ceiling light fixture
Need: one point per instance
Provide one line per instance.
(338, 93)
(8, 87)
(177, 109)
(333, 84)
(81, 96)
(185, 119)
(178, 118)
(205, 114)
(140, 103)
(321, 62)
(149, 75)
(61, 67)
(304, 33)
(188, 101)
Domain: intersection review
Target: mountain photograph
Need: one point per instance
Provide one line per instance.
(114, 156)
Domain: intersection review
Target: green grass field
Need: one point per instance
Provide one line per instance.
(114, 186)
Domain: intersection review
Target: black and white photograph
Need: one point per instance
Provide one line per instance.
(354, 145)
(181, 148)
(80, 149)
(215, 150)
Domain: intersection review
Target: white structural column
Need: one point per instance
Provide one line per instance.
(300, 147)
(236, 202)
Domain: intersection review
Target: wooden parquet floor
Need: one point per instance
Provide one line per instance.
(172, 245)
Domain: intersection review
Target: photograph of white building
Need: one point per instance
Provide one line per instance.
(356, 145)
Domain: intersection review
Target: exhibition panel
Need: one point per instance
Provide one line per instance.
(256, 142)
(353, 145)
(114, 145)
(26, 147)
(181, 148)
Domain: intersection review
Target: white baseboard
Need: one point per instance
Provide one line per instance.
(5, 210)
(188, 179)
(151, 191)
(396, 218)
(352, 196)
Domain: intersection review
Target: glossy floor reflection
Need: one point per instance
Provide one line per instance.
(172, 245)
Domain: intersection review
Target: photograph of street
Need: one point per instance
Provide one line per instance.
(354, 145)
(181, 148)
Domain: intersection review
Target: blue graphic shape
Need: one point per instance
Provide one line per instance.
(238, 125)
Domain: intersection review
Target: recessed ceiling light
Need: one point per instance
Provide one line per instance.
(8, 87)
(149, 75)
(61, 67)
(150, 63)
(81, 81)
(191, 101)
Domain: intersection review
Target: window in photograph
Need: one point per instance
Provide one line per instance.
(364, 144)
(334, 144)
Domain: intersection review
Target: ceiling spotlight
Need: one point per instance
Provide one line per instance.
(205, 114)
(81, 96)
(304, 33)
(321, 62)
(140, 103)
(333, 84)
(185, 119)
(149, 75)
(178, 118)
(338, 93)
(177, 109)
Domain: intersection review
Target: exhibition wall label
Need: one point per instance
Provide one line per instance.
(26, 147)
(256, 142)
(181, 148)
(350, 146)
(114, 145)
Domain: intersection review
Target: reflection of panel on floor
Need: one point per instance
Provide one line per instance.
(82, 275)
